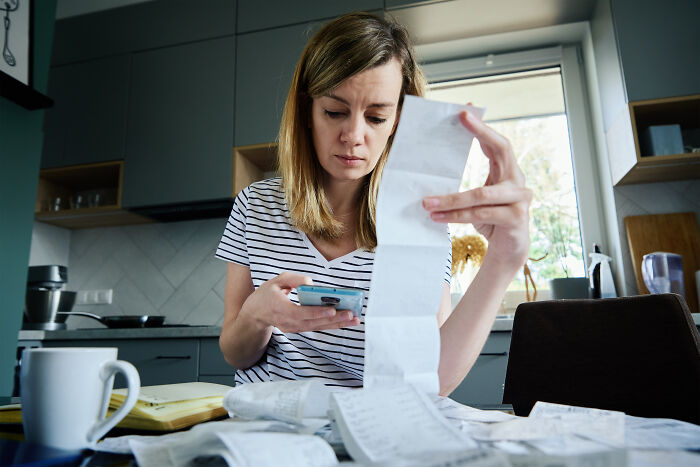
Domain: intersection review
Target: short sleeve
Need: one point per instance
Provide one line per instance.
(448, 271)
(233, 246)
(448, 266)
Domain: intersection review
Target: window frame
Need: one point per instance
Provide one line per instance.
(583, 150)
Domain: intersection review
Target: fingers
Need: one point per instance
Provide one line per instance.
(487, 136)
(315, 318)
(490, 195)
(290, 280)
(511, 215)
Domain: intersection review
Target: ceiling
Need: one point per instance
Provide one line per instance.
(433, 21)
(458, 19)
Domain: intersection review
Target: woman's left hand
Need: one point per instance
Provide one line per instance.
(499, 210)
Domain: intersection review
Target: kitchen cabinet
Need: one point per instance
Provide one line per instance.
(659, 59)
(88, 120)
(483, 386)
(640, 167)
(255, 15)
(179, 134)
(142, 26)
(647, 73)
(212, 366)
(79, 196)
(260, 94)
(158, 361)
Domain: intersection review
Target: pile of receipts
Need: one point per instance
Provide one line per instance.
(301, 423)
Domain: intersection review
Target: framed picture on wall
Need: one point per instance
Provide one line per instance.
(15, 39)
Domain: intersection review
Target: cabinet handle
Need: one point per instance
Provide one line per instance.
(173, 357)
(494, 354)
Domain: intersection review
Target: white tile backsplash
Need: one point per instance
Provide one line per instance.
(165, 268)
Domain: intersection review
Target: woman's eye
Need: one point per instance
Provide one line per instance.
(332, 114)
(376, 120)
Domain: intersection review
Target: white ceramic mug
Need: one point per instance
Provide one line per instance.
(65, 394)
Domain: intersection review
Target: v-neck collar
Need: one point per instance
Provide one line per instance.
(319, 256)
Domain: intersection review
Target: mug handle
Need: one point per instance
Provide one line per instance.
(133, 383)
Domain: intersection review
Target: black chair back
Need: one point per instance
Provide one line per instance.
(639, 355)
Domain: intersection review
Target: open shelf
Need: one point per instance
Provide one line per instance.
(683, 111)
(253, 163)
(83, 196)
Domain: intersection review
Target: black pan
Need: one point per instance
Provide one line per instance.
(125, 321)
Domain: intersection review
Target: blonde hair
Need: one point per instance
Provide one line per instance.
(346, 46)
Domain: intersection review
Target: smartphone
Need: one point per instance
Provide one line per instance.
(338, 298)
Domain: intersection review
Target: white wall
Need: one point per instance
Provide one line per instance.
(50, 245)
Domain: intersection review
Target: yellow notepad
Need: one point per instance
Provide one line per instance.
(11, 414)
(172, 406)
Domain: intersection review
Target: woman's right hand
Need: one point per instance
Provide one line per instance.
(269, 305)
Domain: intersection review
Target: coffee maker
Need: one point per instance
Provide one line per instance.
(45, 297)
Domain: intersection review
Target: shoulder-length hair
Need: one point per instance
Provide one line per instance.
(346, 46)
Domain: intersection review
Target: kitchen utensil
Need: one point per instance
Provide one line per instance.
(663, 273)
(678, 233)
(602, 284)
(42, 308)
(125, 321)
(47, 277)
(45, 297)
(65, 393)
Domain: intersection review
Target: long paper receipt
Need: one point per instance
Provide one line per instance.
(428, 155)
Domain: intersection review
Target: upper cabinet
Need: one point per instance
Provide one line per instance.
(88, 120)
(179, 138)
(264, 68)
(659, 47)
(266, 58)
(151, 85)
(143, 26)
(648, 75)
(254, 15)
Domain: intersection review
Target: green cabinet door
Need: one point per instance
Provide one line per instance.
(264, 68)
(483, 386)
(179, 138)
(659, 46)
(158, 361)
(88, 120)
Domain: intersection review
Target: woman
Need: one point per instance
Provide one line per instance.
(316, 223)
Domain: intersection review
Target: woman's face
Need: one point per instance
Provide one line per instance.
(351, 125)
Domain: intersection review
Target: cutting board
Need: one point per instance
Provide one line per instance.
(673, 233)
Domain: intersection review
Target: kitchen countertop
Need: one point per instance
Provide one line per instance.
(502, 323)
(166, 332)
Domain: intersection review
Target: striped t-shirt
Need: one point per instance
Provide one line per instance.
(259, 235)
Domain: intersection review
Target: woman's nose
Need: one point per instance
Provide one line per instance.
(353, 132)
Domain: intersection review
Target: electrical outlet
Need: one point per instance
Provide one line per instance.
(94, 297)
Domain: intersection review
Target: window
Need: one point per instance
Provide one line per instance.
(525, 95)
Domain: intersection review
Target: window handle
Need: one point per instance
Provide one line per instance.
(494, 354)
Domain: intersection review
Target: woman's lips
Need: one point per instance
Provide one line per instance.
(349, 161)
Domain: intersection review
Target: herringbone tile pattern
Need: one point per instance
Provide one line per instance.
(164, 269)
